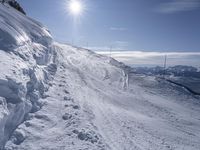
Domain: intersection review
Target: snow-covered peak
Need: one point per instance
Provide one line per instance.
(17, 29)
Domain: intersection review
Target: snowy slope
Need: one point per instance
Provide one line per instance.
(58, 97)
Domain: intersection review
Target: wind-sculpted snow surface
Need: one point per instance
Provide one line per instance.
(25, 46)
(58, 97)
(16, 29)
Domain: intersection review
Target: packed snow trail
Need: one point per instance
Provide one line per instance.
(60, 124)
(58, 97)
(152, 114)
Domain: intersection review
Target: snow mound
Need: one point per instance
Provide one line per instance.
(24, 49)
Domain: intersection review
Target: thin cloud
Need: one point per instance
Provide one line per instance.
(115, 45)
(120, 44)
(99, 48)
(178, 6)
(139, 58)
(104, 48)
(118, 29)
(149, 54)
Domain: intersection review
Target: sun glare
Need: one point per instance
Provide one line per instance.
(75, 7)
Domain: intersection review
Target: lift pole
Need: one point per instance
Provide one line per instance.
(165, 65)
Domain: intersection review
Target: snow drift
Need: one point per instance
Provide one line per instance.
(24, 49)
(55, 96)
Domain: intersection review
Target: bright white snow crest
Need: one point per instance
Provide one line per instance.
(59, 97)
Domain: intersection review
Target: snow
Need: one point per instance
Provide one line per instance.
(17, 29)
(22, 80)
(56, 96)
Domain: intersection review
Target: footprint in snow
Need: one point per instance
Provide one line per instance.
(76, 107)
(68, 99)
(61, 85)
(66, 116)
(66, 92)
(84, 135)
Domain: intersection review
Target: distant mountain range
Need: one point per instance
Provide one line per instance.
(179, 71)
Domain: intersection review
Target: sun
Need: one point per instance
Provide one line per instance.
(75, 7)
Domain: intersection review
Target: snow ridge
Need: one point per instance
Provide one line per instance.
(27, 63)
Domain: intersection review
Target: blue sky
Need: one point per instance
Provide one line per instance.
(141, 25)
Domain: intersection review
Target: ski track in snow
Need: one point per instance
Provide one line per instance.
(58, 97)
